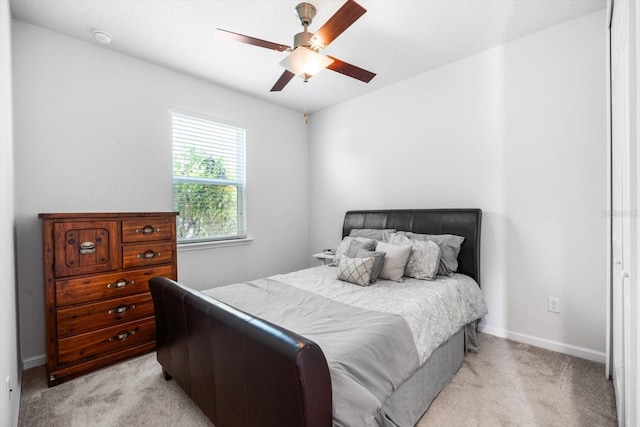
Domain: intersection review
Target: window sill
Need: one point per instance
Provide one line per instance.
(198, 246)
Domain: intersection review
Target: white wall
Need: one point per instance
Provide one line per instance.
(518, 131)
(92, 132)
(9, 366)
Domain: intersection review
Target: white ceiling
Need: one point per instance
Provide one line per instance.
(396, 39)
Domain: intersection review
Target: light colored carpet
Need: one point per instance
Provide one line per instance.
(505, 384)
(511, 384)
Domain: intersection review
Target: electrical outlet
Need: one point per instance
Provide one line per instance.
(554, 304)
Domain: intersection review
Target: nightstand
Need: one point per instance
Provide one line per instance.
(326, 258)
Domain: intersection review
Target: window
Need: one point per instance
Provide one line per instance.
(208, 179)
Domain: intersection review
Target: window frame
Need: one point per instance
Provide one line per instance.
(239, 184)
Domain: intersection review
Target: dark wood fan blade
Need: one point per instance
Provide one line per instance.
(282, 81)
(251, 40)
(340, 21)
(350, 70)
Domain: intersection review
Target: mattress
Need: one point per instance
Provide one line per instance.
(375, 338)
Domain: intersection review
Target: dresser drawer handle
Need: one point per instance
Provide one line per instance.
(87, 248)
(123, 335)
(147, 229)
(121, 309)
(148, 255)
(120, 284)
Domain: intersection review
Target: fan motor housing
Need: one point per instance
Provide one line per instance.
(302, 39)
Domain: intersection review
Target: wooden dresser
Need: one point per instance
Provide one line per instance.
(96, 270)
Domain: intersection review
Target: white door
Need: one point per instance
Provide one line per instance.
(624, 202)
(618, 128)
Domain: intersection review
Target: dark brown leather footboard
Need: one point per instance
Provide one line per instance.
(240, 370)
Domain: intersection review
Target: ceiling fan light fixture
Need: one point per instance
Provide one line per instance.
(305, 61)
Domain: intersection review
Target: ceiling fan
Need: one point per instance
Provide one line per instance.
(305, 58)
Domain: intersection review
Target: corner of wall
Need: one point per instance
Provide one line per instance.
(10, 369)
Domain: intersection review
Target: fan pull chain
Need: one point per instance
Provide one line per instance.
(304, 102)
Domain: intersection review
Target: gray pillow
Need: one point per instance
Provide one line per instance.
(371, 233)
(394, 261)
(354, 247)
(450, 245)
(378, 260)
(355, 270)
(343, 247)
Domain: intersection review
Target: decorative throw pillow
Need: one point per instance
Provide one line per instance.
(378, 260)
(371, 233)
(424, 260)
(450, 245)
(394, 261)
(343, 247)
(355, 270)
(354, 247)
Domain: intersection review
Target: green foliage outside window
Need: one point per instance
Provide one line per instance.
(207, 209)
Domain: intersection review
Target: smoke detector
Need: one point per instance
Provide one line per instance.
(102, 37)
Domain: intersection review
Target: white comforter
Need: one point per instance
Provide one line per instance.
(374, 338)
(434, 310)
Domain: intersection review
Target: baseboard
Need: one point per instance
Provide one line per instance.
(32, 362)
(572, 350)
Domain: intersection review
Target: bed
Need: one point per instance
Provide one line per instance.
(247, 364)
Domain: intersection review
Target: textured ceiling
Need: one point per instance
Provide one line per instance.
(396, 39)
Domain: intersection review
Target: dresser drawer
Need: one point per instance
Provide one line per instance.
(99, 315)
(152, 253)
(86, 247)
(147, 229)
(104, 341)
(102, 286)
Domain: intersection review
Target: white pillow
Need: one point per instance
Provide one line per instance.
(424, 259)
(450, 246)
(356, 270)
(394, 261)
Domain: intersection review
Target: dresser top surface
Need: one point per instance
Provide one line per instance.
(108, 215)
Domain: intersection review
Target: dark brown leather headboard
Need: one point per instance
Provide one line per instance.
(461, 222)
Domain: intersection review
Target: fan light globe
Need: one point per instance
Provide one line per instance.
(305, 61)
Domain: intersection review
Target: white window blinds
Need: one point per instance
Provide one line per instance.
(208, 179)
